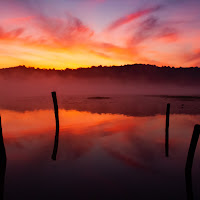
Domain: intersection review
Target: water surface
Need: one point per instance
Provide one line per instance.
(109, 148)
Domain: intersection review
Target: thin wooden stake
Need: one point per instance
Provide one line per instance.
(189, 162)
(55, 149)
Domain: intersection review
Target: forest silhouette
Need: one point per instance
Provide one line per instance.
(136, 72)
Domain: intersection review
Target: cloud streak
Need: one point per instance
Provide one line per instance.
(18, 20)
(129, 18)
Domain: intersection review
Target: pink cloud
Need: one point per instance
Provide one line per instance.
(64, 32)
(128, 18)
(168, 35)
(18, 20)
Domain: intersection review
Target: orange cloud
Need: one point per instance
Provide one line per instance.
(194, 57)
(10, 35)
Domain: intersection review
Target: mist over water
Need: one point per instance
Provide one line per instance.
(116, 80)
(37, 86)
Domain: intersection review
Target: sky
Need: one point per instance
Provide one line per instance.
(82, 33)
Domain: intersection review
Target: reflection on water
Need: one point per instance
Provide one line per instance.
(127, 105)
(189, 162)
(101, 155)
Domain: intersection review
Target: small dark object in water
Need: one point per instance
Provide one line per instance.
(183, 98)
(98, 97)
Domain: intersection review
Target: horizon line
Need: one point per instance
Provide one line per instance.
(95, 66)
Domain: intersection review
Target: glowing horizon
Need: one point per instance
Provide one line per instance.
(71, 34)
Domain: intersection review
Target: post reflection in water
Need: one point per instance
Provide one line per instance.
(189, 189)
(167, 131)
(2, 163)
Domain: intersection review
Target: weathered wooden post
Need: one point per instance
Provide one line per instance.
(189, 162)
(167, 131)
(55, 149)
(3, 160)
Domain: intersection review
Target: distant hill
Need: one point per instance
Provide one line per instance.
(136, 73)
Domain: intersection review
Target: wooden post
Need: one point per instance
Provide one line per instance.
(3, 160)
(167, 131)
(189, 162)
(55, 149)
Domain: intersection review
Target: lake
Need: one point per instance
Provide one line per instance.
(109, 148)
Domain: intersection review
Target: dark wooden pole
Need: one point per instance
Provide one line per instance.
(189, 162)
(167, 131)
(55, 149)
(3, 160)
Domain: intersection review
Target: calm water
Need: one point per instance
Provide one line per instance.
(108, 148)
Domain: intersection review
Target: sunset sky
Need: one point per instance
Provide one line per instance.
(81, 33)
